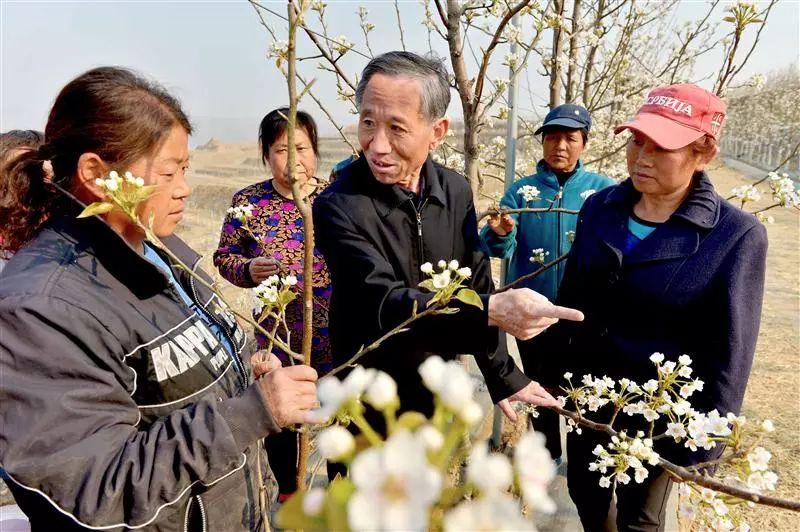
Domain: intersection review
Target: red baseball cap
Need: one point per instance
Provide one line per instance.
(674, 116)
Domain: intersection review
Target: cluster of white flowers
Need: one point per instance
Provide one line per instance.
(570, 236)
(624, 453)
(449, 272)
(493, 474)
(783, 190)
(501, 84)
(746, 193)
(395, 485)
(454, 387)
(114, 182)
(705, 511)
(241, 212)
(529, 193)
(335, 395)
(318, 5)
(512, 33)
(538, 255)
(451, 159)
(270, 291)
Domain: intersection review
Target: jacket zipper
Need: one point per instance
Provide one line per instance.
(237, 361)
(189, 511)
(418, 212)
(202, 513)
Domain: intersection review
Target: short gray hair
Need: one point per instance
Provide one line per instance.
(429, 71)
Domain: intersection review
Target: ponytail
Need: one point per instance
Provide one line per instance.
(27, 198)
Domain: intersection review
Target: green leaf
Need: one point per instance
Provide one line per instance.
(98, 207)
(411, 420)
(144, 192)
(284, 298)
(339, 493)
(291, 517)
(427, 284)
(729, 19)
(447, 310)
(470, 297)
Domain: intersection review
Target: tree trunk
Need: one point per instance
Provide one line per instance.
(464, 86)
(587, 72)
(574, 43)
(555, 67)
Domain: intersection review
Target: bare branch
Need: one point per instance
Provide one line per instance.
(399, 24)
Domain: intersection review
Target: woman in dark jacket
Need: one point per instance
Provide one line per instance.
(127, 397)
(660, 263)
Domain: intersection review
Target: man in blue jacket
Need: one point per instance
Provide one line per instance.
(560, 182)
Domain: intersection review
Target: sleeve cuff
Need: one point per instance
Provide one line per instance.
(248, 417)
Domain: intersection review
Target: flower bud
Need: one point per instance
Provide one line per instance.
(335, 443)
(382, 391)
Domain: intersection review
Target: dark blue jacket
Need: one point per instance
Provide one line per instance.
(694, 286)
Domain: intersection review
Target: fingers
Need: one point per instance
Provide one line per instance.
(301, 372)
(564, 313)
(505, 407)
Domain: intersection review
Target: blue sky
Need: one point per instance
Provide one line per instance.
(212, 55)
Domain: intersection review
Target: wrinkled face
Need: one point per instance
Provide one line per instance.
(166, 169)
(306, 160)
(394, 134)
(562, 149)
(657, 171)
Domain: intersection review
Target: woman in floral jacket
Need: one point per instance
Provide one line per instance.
(270, 241)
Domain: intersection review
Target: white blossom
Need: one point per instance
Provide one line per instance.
(382, 391)
(335, 443)
(313, 501)
(535, 469)
(395, 486)
(529, 193)
(491, 472)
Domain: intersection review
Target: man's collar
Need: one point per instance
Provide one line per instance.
(700, 208)
(389, 197)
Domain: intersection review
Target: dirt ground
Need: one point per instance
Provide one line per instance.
(774, 388)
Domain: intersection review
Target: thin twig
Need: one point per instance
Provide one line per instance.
(532, 274)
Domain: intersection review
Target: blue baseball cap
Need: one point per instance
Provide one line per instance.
(567, 115)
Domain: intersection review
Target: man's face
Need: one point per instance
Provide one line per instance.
(562, 148)
(394, 134)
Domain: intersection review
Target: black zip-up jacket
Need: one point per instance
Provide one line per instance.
(119, 408)
(375, 238)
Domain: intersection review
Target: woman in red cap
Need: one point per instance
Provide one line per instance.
(660, 263)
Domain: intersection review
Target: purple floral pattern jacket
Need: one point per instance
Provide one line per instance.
(276, 230)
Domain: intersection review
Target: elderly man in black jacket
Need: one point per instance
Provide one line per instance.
(394, 209)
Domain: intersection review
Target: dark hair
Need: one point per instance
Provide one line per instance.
(18, 139)
(110, 111)
(555, 129)
(429, 70)
(274, 124)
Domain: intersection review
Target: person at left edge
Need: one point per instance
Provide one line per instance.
(127, 397)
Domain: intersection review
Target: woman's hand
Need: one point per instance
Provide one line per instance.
(261, 366)
(262, 267)
(501, 224)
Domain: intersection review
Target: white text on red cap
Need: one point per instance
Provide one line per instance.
(676, 105)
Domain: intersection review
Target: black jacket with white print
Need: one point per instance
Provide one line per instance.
(119, 407)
